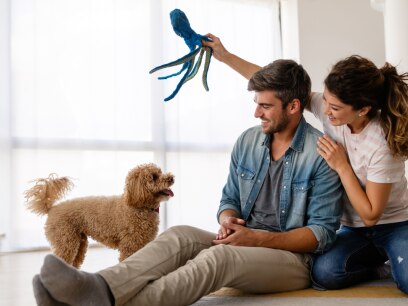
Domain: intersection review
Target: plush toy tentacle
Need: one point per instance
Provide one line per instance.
(196, 67)
(208, 54)
(190, 65)
(185, 65)
(179, 61)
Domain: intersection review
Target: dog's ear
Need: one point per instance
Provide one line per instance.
(135, 190)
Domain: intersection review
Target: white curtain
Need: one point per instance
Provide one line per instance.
(76, 99)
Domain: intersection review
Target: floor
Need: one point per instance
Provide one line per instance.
(18, 269)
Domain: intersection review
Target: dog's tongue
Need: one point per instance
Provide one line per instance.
(157, 210)
(169, 192)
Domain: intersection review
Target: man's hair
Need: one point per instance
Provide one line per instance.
(286, 78)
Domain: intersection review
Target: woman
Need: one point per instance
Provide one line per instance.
(363, 110)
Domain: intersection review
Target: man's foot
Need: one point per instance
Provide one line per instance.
(71, 286)
(42, 296)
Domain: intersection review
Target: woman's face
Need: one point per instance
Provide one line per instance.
(338, 112)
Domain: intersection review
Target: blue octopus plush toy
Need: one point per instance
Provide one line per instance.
(181, 26)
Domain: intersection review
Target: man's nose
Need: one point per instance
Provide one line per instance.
(258, 112)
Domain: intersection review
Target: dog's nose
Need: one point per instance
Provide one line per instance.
(170, 179)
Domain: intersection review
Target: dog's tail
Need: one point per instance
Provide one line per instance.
(46, 192)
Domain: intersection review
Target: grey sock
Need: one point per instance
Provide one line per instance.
(69, 285)
(42, 296)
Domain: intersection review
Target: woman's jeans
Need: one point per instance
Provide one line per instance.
(358, 251)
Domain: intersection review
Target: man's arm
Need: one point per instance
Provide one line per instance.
(243, 67)
(300, 240)
(325, 205)
(230, 200)
(233, 231)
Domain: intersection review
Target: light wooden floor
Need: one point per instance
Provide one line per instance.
(18, 269)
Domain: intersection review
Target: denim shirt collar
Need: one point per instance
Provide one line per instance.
(297, 141)
(300, 135)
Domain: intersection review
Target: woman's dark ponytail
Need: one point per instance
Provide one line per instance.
(394, 111)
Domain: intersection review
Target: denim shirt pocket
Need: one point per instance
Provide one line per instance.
(245, 180)
(299, 197)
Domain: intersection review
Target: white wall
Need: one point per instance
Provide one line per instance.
(330, 30)
(317, 33)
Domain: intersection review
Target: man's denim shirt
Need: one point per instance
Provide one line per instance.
(311, 191)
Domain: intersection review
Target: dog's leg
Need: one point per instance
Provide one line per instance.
(131, 244)
(123, 255)
(80, 256)
(66, 246)
(127, 250)
(63, 237)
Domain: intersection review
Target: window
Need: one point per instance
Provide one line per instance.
(77, 100)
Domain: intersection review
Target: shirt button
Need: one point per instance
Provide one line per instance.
(242, 175)
(284, 187)
(259, 181)
(283, 211)
(287, 163)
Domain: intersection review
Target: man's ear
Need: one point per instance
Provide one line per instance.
(294, 106)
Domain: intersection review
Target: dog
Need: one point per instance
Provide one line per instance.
(124, 222)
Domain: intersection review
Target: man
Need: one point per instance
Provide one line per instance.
(280, 203)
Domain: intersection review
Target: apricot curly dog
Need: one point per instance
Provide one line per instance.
(125, 222)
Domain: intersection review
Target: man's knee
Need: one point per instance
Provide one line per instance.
(188, 234)
(180, 230)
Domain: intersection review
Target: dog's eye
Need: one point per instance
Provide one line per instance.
(155, 176)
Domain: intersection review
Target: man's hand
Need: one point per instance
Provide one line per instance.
(234, 232)
(226, 224)
(301, 240)
(239, 236)
(243, 67)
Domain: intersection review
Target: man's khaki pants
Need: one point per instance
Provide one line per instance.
(182, 265)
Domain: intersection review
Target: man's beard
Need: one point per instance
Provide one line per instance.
(280, 126)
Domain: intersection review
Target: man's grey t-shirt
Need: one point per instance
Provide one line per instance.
(265, 213)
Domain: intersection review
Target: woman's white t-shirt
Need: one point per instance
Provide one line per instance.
(371, 160)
